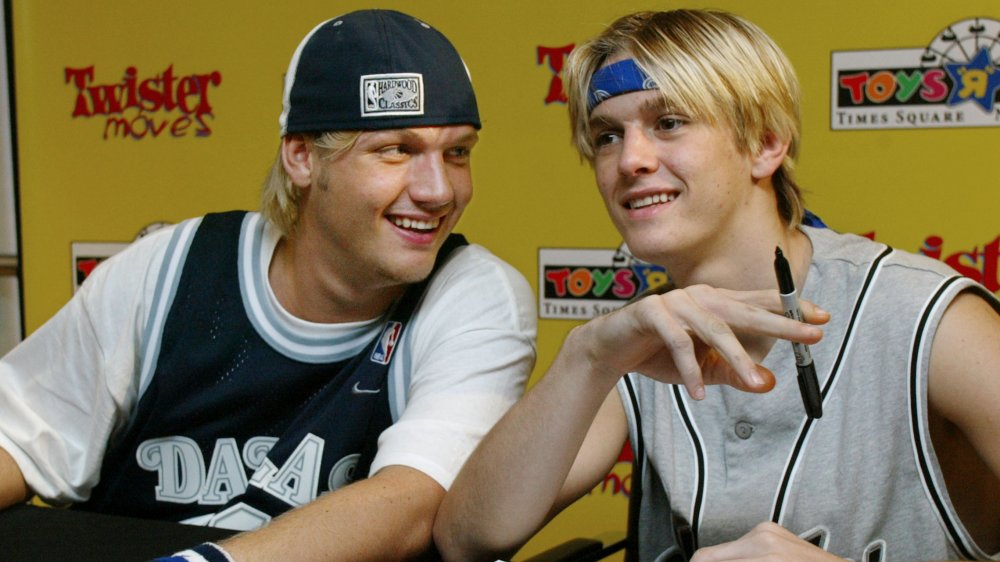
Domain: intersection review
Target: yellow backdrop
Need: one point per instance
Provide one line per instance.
(91, 172)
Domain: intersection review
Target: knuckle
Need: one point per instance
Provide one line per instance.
(718, 327)
(680, 342)
(701, 290)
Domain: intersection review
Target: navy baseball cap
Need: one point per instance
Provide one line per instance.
(376, 69)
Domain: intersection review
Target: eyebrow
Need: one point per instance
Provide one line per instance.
(597, 122)
(654, 104)
(470, 137)
(659, 104)
(408, 134)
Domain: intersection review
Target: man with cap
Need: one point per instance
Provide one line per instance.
(236, 366)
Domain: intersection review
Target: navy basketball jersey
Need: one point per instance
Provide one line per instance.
(230, 431)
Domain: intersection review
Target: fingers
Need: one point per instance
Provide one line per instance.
(681, 349)
(812, 313)
(696, 336)
(680, 316)
(698, 327)
(766, 541)
(761, 313)
(769, 299)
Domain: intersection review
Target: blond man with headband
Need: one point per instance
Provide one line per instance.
(340, 352)
(690, 121)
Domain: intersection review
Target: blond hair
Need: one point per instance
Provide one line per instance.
(279, 199)
(713, 66)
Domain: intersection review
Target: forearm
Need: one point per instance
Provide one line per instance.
(386, 517)
(13, 488)
(492, 508)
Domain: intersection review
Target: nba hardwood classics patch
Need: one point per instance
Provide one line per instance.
(392, 94)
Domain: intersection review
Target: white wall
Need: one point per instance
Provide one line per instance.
(10, 305)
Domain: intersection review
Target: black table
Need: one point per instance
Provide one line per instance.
(35, 533)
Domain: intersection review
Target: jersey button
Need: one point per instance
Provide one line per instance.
(744, 429)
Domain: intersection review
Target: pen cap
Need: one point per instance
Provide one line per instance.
(784, 273)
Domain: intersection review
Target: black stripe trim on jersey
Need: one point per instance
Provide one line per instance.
(793, 459)
(918, 443)
(638, 450)
(635, 494)
(699, 494)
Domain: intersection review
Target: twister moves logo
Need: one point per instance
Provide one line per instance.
(162, 105)
(580, 284)
(953, 82)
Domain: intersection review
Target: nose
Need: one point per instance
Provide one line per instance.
(638, 153)
(431, 186)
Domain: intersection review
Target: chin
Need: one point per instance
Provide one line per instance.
(644, 246)
(651, 251)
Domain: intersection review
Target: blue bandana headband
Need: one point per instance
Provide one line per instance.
(616, 79)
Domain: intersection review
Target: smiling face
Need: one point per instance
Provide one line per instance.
(378, 212)
(678, 190)
(717, 66)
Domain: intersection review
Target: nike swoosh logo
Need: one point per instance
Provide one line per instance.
(359, 390)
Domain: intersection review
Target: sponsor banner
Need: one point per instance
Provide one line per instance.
(953, 82)
(979, 263)
(578, 284)
(137, 106)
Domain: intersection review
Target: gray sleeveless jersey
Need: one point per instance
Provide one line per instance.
(862, 481)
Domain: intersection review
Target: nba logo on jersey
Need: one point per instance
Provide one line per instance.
(387, 343)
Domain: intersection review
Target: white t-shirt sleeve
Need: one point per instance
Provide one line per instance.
(67, 387)
(465, 360)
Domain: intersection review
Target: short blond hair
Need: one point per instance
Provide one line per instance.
(715, 67)
(279, 199)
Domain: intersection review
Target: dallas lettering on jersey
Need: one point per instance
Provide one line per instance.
(183, 478)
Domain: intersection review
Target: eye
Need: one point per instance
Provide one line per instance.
(669, 123)
(460, 153)
(394, 151)
(606, 138)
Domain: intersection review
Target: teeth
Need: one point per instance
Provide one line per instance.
(404, 222)
(652, 199)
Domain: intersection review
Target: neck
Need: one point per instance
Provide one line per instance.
(312, 288)
(742, 257)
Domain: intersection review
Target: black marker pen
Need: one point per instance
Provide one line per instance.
(808, 383)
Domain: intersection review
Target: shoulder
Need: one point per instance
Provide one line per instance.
(136, 265)
(475, 261)
(142, 270)
(475, 276)
(846, 256)
(966, 352)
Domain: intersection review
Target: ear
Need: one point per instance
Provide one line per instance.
(770, 156)
(296, 156)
